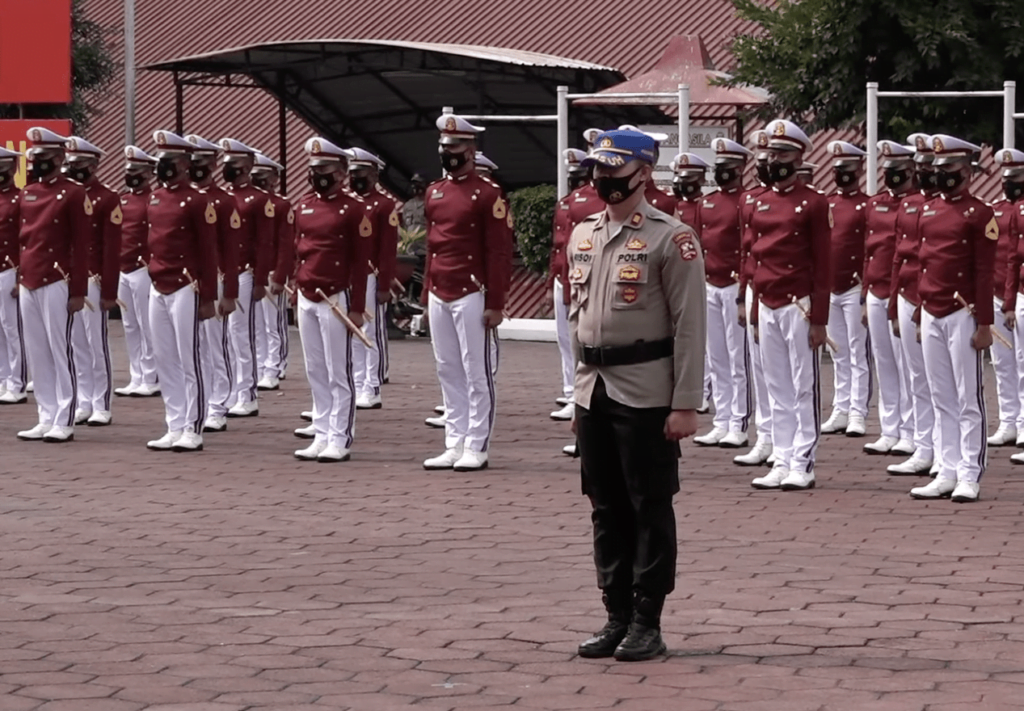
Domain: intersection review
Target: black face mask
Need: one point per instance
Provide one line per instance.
(198, 173)
(577, 181)
(763, 174)
(231, 173)
(926, 179)
(133, 180)
(260, 182)
(322, 182)
(419, 190)
(725, 174)
(686, 188)
(779, 171)
(895, 178)
(949, 182)
(79, 175)
(1013, 190)
(5, 178)
(360, 185)
(43, 168)
(453, 161)
(615, 190)
(844, 178)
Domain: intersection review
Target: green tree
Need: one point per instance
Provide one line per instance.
(92, 68)
(815, 56)
(533, 210)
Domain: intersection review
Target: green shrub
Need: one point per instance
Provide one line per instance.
(533, 210)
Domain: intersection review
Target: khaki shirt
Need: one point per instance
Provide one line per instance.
(643, 282)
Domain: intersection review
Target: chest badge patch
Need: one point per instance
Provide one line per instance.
(635, 243)
(393, 219)
(291, 217)
(87, 205)
(992, 229)
(499, 209)
(629, 273)
(576, 274)
(268, 209)
(116, 217)
(630, 294)
(236, 221)
(365, 228)
(636, 220)
(687, 249)
(585, 245)
(210, 215)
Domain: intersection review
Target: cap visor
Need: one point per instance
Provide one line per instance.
(898, 162)
(326, 160)
(449, 140)
(951, 160)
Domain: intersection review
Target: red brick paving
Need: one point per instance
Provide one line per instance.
(240, 578)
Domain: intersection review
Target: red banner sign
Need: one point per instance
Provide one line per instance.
(13, 138)
(35, 52)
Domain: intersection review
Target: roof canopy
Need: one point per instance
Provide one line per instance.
(386, 95)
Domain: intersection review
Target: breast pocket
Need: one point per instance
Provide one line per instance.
(629, 286)
(579, 285)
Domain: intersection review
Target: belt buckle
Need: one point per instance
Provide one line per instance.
(596, 355)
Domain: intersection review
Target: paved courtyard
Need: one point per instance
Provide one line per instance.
(240, 578)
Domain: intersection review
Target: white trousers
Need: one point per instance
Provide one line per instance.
(728, 360)
(1004, 363)
(369, 362)
(215, 345)
(92, 355)
(174, 320)
(791, 371)
(564, 339)
(1018, 343)
(242, 333)
(275, 325)
(955, 377)
(763, 401)
(49, 348)
(464, 349)
(133, 291)
(895, 411)
(260, 335)
(13, 367)
(920, 393)
(327, 351)
(853, 367)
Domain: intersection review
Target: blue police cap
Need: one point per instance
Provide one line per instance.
(616, 148)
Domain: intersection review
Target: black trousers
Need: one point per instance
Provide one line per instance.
(630, 472)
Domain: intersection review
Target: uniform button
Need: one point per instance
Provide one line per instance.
(471, 257)
(853, 259)
(337, 264)
(472, 224)
(959, 274)
(464, 290)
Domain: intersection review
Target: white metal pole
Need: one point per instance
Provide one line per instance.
(445, 110)
(684, 118)
(872, 146)
(129, 72)
(1009, 108)
(562, 140)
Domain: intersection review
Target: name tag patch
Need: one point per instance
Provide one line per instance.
(629, 257)
(763, 208)
(31, 198)
(436, 195)
(308, 211)
(881, 208)
(584, 258)
(928, 213)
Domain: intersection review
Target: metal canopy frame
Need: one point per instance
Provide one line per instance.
(1008, 94)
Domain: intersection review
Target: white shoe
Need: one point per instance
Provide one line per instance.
(855, 425)
(565, 413)
(369, 402)
(147, 390)
(333, 453)
(705, 407)
(757, 456)
(215, 423)
(572, 451)
(733, 440)
(563, 400)
(771, 480)
(58, 434)
(166, 442)
(1006, 434)
(446, 460)
(9, 397)
(903, 447)
(306, 415)
(1020, 439)
(190, 441)
(966, 492)
(245, 409)
(268, 382)
(37, 432)
(100, 418)
(770, 461)
(712, 438)
(1017, 458)
(836, 423)
(306, 432)
(882, 445)
(915, 466)
(311, 452)
(436, 422)
(934, 471)
(937, 488)
(798, 481)
(439, 409)
(471, 461)
(31, 387)
(82, 416)
(127, 391)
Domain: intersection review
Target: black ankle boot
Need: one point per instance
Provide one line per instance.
(643, 641)
(604, 643)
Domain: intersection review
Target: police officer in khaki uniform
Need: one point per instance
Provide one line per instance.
(637, 319)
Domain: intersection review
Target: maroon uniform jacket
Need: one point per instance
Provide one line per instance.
(905, 265)
(583, 203)
(384, 250)
(256, 234)
(688, 212)
(957, 254)
(56, 224)
(135, 229)
(469, 242)
(10, 222)
(748, 201)
(335, 235)
(105, 242)
(561, 230)
(880, 244)
(659, 198)
(1014, 259)
(720, 236)
(847, 247)
(791, 247)
(284, 239)
(183, 238)
(1005, 213)
(228, 240)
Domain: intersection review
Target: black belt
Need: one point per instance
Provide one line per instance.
(639, 352)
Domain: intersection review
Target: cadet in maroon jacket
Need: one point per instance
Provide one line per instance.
(852, 361)
(688, 184)
(958, 247)
(335, 235)
(364, 179)
(56, 224)
(791, 225)
(92, 352)
(727, 354)
(13, 369)
(1013, 305)
(266, 175)
(895, 414)
(183, 267)
(134, 285)
(466, 279)
(256, 259)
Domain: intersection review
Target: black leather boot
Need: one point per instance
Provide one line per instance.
(604, 643)
(643, 641)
